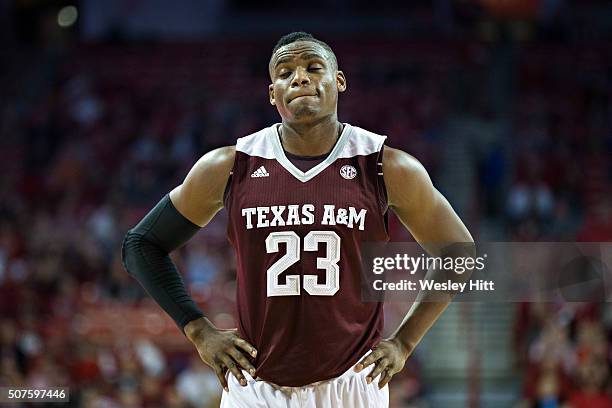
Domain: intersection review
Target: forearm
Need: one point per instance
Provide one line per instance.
(429, 305)
(145, 255)
(158, 275)
(417, 322)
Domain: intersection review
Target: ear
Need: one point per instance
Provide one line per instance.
(271, 94)
(341, 81)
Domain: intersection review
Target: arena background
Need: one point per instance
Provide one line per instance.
(105, 105)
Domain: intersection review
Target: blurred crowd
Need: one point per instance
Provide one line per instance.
(560, 186)
(564, 352)
(93, 138)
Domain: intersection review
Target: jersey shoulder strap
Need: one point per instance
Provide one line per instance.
(362, 143)
(257, 144)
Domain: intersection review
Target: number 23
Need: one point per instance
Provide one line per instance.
(311, 243)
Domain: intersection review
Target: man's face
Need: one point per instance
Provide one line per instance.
(305, 82)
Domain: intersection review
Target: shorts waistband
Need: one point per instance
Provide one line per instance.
(289, 389)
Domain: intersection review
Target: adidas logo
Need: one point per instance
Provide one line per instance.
(260, 172)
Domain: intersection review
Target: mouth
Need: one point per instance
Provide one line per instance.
(302, 96)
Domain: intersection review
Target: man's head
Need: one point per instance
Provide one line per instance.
(305, 78)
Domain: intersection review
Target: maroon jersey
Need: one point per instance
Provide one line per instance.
(297, 237)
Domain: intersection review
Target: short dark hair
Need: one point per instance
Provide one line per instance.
(303, 36)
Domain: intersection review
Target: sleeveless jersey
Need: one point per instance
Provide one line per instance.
(297, 238)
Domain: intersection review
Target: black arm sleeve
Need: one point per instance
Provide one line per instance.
(145, 256)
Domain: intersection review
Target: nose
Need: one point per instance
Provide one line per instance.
(300, 78)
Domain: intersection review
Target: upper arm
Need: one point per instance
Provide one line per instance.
(200, 196)
(419, 205)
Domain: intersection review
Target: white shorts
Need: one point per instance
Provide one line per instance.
(350, 390)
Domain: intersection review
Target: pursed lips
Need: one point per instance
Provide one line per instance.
(299, 96)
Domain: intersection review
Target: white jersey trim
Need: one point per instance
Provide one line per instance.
(281, 157)
(256, 144)
(354, 141)
(362, 143)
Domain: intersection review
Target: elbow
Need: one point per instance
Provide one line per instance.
(462, 253)
(139, 252)
(471, 248)
(459, 249)
(129, 249)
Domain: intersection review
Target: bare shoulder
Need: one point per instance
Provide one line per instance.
(403, 170)
(399, 160)
(200, 195)
(216, 162)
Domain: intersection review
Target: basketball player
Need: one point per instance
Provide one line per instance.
(301, 196)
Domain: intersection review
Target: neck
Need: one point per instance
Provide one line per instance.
(312, 139)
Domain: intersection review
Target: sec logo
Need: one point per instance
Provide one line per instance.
(348, 172)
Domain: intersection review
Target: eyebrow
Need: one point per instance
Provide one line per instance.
(307, 56)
